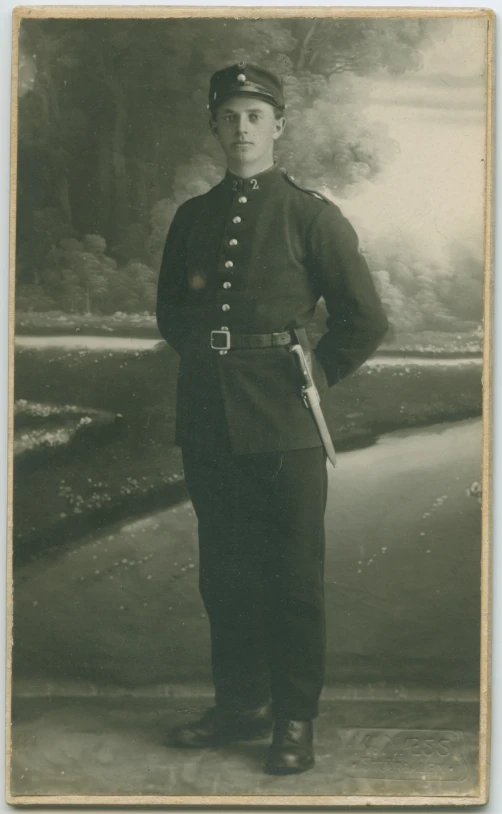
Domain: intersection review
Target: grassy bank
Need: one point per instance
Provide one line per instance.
(55, 323)
(140, 469)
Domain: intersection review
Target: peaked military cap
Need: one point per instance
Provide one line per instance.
(244, 79)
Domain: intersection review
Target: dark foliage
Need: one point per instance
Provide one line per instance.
(113, 135)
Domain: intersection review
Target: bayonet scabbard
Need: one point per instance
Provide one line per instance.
(312, 400)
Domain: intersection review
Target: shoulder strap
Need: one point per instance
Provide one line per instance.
(312, 192)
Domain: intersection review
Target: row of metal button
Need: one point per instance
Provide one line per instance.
(229, 263)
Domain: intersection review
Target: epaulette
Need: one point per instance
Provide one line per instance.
(312, 192)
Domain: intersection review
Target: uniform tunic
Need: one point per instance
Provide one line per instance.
(254, 256)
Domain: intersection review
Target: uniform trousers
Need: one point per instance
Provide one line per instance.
(261, 574)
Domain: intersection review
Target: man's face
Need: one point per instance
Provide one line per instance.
(246, 128)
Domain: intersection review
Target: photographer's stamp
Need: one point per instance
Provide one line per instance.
(400, 754)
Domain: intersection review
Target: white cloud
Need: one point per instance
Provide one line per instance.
(462, 53)
(434, 191)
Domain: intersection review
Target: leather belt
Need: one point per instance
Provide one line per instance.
(223, 340)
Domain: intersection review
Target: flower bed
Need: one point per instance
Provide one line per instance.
(43, 427)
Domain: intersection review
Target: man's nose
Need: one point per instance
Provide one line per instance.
(241, 124)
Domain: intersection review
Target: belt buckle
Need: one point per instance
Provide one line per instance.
(226, 334)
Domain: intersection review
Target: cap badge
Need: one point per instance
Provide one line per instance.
(241, 77)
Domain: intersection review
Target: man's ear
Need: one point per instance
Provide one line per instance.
(214, 127)
(280, 124)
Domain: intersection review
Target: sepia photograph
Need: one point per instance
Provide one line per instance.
(250, 406)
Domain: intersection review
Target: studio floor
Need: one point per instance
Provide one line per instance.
(119, 746)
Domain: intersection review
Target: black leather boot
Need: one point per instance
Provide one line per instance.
(292, 748)
(217, 727)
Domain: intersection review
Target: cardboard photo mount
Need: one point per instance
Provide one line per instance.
(21, 14)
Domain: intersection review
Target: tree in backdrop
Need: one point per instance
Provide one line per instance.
(428, 289)
(113, 134)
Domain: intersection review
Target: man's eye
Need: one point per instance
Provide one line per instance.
(254, 116)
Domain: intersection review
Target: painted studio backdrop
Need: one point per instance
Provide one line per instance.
(387, 118)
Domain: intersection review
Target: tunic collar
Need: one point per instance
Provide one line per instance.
(263, 180)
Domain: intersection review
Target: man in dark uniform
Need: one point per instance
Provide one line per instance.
(243, 268)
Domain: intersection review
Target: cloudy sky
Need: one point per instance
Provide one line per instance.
(433, 192)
